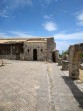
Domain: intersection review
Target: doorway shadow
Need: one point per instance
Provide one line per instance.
(35, 54)
(78, 94)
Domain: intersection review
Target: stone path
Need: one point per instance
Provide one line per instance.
(37, 86)
(65, 95)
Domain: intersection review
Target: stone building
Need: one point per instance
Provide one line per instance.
(29, 49)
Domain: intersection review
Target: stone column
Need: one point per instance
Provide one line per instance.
(74, 70)
(57, 55)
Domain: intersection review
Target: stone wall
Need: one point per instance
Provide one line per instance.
(11, 57)
(40, 47)
(25, 50)
(50, 47)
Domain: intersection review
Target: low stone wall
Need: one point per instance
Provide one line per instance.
(65, 65)
(11, 57)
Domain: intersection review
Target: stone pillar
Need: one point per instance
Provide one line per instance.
(65, 65)
(50, 48)
(56, 55)
(74, 70)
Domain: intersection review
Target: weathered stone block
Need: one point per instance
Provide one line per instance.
(60, 61)
(65, 65)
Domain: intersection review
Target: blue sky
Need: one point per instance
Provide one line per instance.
(61, 19)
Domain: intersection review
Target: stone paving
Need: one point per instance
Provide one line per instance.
(37, 86)
(64, 93)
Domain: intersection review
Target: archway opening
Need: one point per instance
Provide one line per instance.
(35, 54)
(53, 56)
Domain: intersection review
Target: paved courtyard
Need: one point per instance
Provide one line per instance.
(38, 86)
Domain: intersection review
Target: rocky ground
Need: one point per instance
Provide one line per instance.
(38, 86)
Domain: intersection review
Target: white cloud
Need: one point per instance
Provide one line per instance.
(50, 26)
(15, 34)
(21, 3)
(72, 36)
(3, 35)
(79, 18)
(49, 17)
(20, 34)
(62, 45)
(43, 3)
(13, 4)
(65, 44)
(3, 13)
(64, 40)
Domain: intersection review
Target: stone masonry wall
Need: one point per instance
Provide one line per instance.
(50, 48)
(29, 47)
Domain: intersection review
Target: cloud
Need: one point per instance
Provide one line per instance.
(72, 36)
(8, 6)
(15, 34)
(43, 3)
(62, 45)
(13, 4)
(64, 40)
(79, 18)
(3, 14)
(21, 3)
(49, 17)
(65, 44)
(20, 34)
(50, 26)
(3, 35)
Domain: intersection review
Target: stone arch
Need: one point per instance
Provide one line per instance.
(34, 54)
(74, 60)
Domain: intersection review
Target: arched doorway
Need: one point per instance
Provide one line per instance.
(34, 54)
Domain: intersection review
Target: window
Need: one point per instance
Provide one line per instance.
(28, 50)
(41, 50)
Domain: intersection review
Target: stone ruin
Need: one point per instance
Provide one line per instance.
(75, 59)
(39, 49)
(65, 62)
(55, 55)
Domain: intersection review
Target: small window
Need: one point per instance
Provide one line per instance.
(41, 50)
(28, 50)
